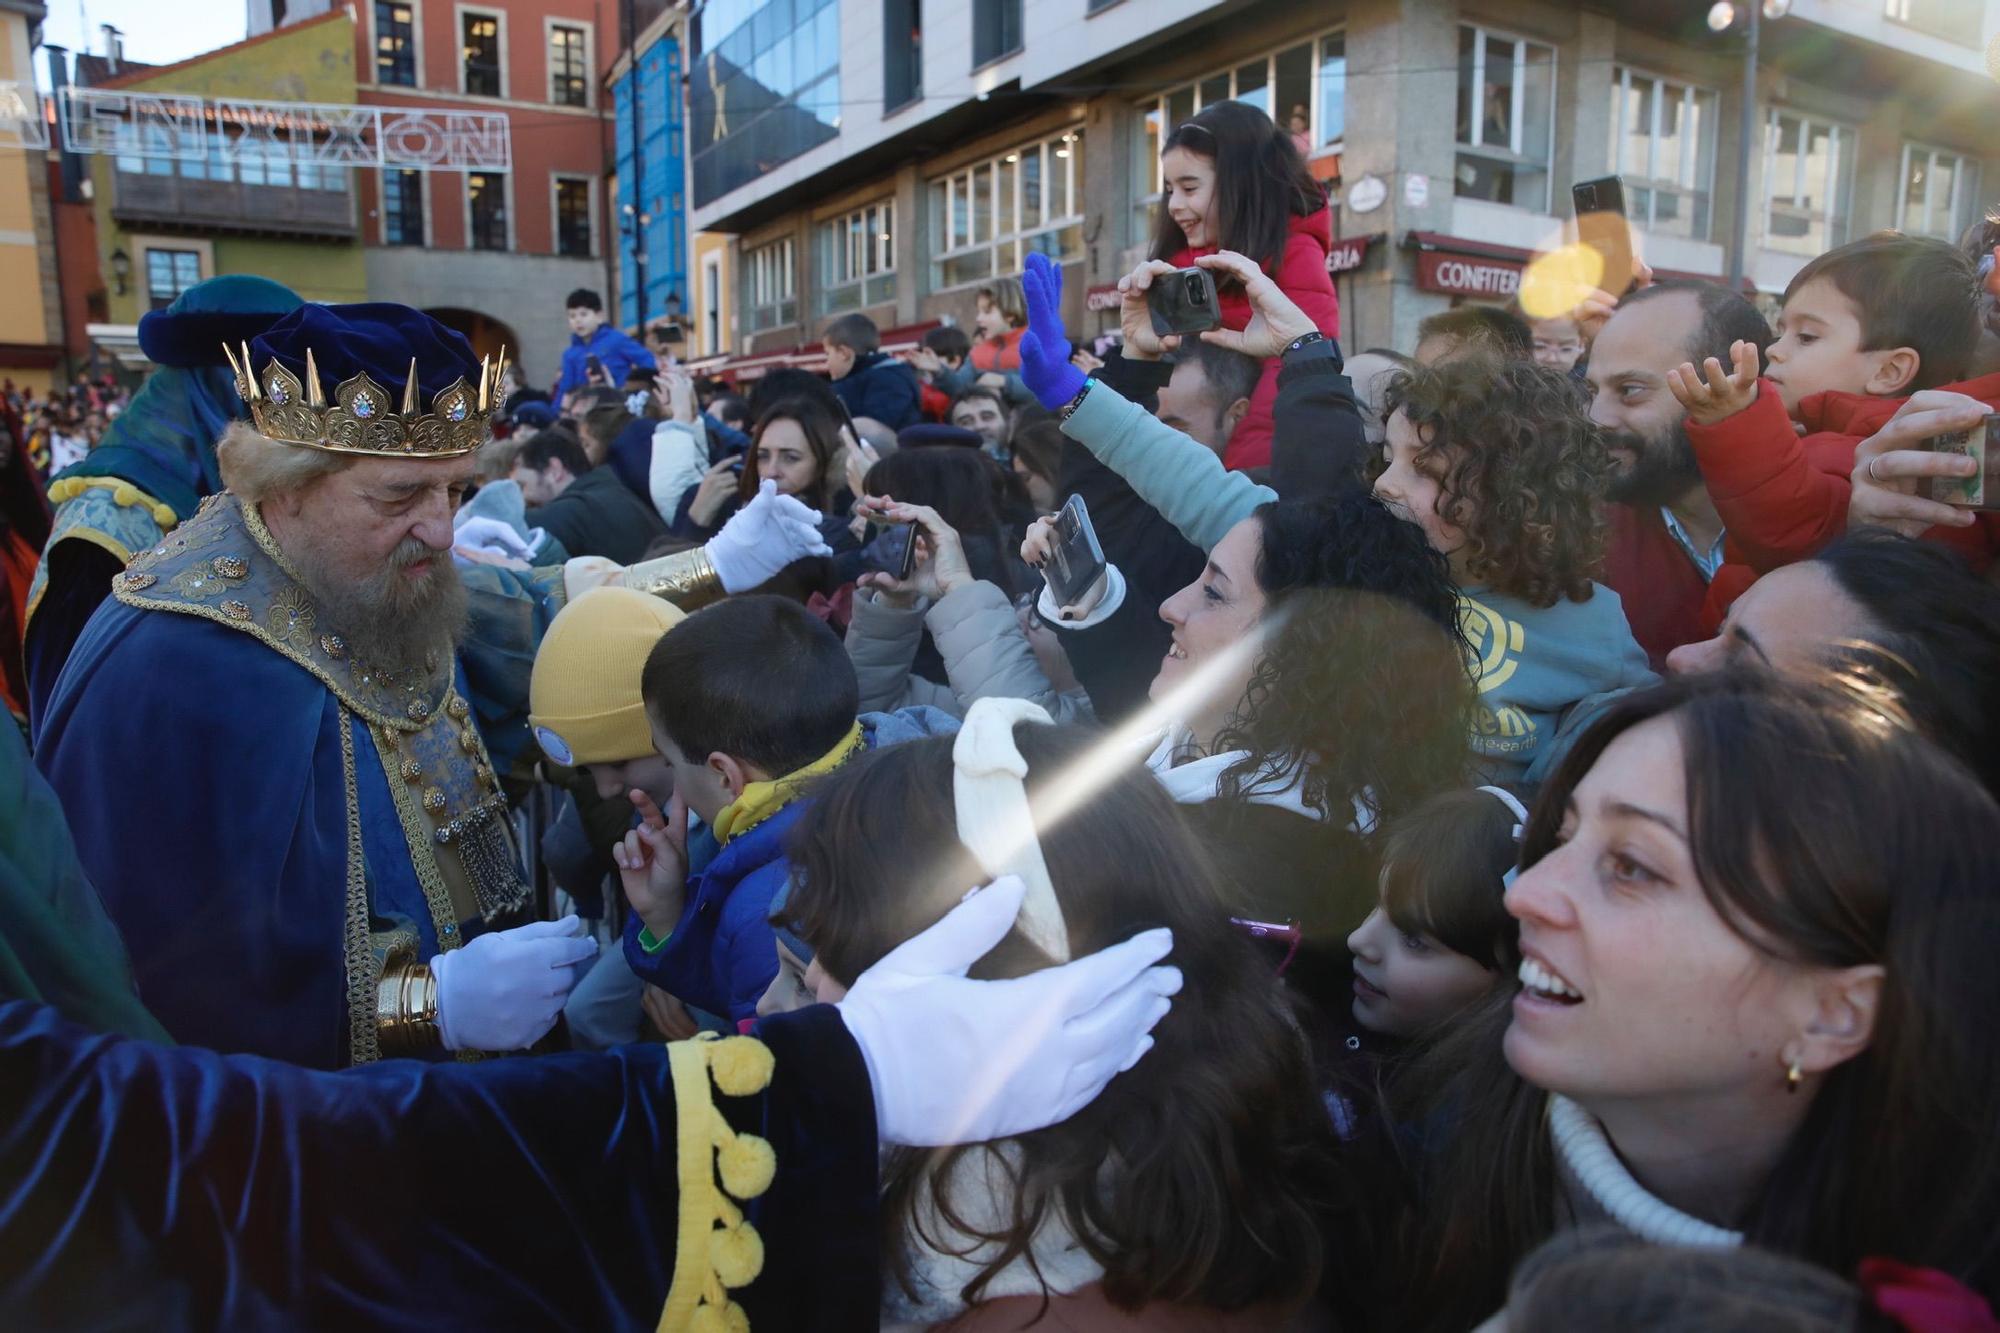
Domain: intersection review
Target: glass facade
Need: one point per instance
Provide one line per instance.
(987, 217)
(1808, 176)
(395, 44)
(1506, 119)
(649, 208)
(764, 88)
(1663, 144)
(402, 208)
(771, 286)
(857, 259)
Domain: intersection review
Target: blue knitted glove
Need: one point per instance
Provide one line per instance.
(1045, 366)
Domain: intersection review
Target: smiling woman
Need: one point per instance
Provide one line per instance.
(1737, 970)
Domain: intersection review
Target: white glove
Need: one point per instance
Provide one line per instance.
(491, 534)
(502, 991)
(762, 538)
(958, 1061)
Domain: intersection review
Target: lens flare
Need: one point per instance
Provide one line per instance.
(1555, 283)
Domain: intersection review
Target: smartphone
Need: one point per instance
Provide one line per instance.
(896, 546)
(1601, 225)
(1184, 302)
(1981, 490)
(595, 368)
(1077, 562)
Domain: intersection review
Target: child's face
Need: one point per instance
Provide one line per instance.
(1557, 343)
(1405, 985)
(1190, 182)
(1413, 491)
(704, 789)
(989, 321)
(1819, 347)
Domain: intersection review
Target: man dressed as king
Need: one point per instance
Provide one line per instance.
(277, 742)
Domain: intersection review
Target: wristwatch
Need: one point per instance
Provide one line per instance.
(1303, 340)
(1069, 408)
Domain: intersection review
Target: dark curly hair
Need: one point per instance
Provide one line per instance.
(1201, 1175)
(1520, 468)
(1362, 679)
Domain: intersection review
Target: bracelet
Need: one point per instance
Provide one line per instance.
(1069, 408)
(686, 579)
(406, 1009)
(1303, 340)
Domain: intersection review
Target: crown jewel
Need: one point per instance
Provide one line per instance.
(364, 417)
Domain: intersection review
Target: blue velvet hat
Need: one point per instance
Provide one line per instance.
(230, 309)
(358, 379)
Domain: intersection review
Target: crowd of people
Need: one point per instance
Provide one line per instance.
(59, 427)
(1204, 831)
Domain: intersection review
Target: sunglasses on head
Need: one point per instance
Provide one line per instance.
(1290, 934)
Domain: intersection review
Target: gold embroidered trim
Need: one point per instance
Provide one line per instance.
(364, 978)
(686, 579)
(417, 833)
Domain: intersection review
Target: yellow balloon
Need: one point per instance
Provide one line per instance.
(1556, 283)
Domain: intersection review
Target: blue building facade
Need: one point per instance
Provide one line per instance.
(652, 176)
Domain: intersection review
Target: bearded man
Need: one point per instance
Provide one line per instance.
(322, 867)
(1665, 539)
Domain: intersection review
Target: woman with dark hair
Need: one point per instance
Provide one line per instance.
(1232, 180)
(1757, 931)
(797, 443)
(1200, 1178)
(1914, 601)
(1038, 464)
(1312, 690)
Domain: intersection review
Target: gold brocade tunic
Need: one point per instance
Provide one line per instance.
(223, 566)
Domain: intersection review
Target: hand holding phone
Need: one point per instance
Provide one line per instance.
(593, 368)
(1183, 301)
(1065, 548)
(1602, 226)
(1980, 490)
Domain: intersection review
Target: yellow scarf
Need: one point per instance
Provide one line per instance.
(761, 800)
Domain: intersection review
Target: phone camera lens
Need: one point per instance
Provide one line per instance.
(1194, 290)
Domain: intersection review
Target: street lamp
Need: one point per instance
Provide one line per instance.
(1722, 16)
(121, 269)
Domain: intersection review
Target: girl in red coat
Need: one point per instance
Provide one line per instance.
(1235, 181)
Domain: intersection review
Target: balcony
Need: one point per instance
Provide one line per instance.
(158, 201)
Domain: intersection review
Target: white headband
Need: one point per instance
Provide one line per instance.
(990, 797)
(1513, 803)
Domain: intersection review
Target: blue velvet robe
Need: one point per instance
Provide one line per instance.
(202, 772)
(165, 1188)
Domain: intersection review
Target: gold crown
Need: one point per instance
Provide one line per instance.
(359, 420)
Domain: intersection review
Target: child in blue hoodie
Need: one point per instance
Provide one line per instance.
(749, 700)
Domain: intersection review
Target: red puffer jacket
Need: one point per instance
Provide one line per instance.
(1301, 275)
(1783, 495)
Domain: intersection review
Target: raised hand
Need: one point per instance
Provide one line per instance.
(1038, 548)
(1275, 319)
(652, 862)
(1045, 366)
(1725, 394)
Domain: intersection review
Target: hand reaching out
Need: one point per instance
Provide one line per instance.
(1724, 395)
(652, 862)
(717, 485)
(1038, 548)
(1135, 315)
(1596, 308)
(675, 391)
(1275, 319)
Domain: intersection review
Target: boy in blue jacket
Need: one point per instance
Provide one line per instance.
(748, 700)
(869, 381)
(591, 336)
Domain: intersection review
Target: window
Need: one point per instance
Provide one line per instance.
(1304, 85)
(1506, 118)
(857, 259)
(482, 54)
(569, 82)
(996, 30)
(573, 216)
(711, 304)
(763, 87)
(395, 43)
(169, 273)
(402, 208)
(486, 196)
(1940, 192)
(1808, 175)
(902, 52)
(773, 285)
(1663, 144)
(1954, 20)
(986, 218)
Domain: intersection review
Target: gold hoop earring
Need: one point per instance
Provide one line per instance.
(1793, 1077)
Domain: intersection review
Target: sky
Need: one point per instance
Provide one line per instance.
(158, 32)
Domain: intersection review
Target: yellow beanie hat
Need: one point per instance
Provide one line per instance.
(583, 700)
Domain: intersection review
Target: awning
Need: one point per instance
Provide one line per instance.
(1461, 266)
(805, 356)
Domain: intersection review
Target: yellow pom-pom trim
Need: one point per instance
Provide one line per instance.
(747, 1165)
(716, 1248)
(123, 494)
(741, 1066)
